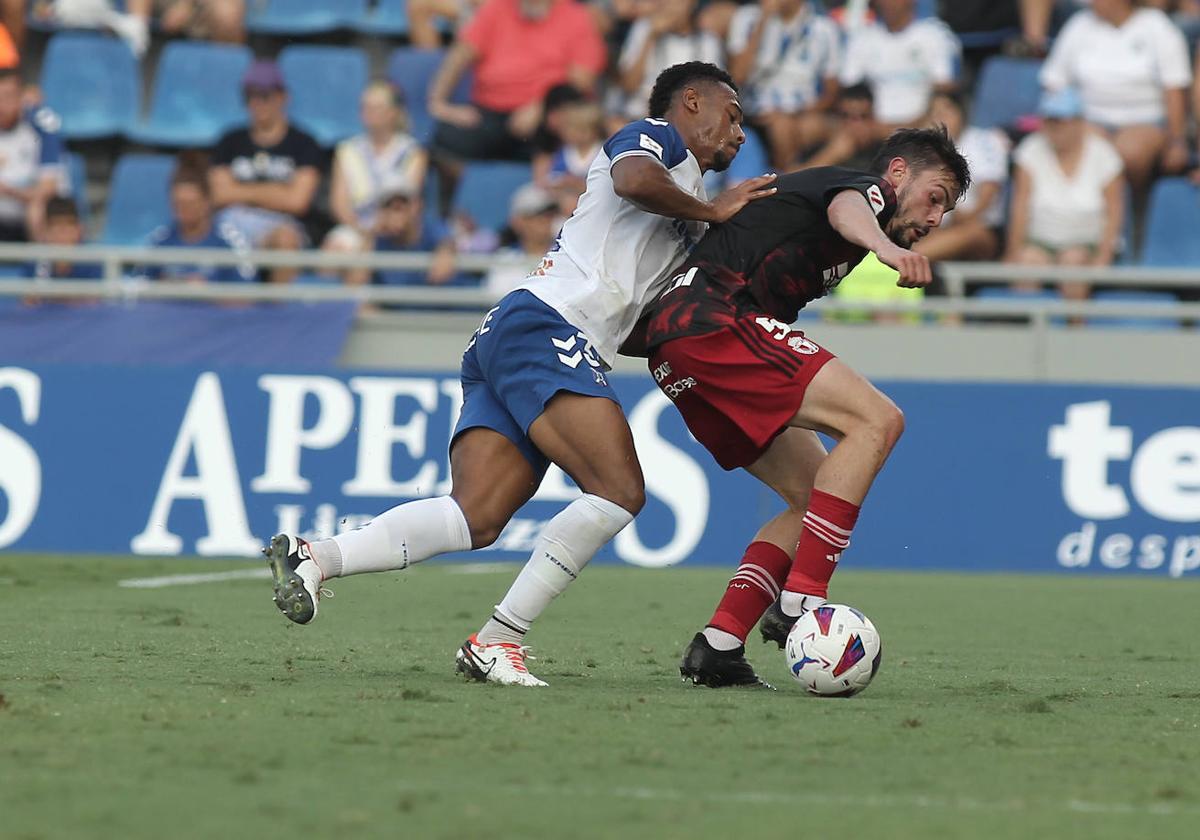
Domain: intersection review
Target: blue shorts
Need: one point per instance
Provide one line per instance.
(522, 355)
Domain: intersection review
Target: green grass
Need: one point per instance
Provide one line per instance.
(1007, 707)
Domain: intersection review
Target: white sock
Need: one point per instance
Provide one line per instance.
(721, 640)
(796, 604)
(565, 546)
(396, 539)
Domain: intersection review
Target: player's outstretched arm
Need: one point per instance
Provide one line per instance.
(646, 182)
(850, 214)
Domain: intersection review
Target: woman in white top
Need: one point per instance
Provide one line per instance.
(385, 154)
(787, 56)
(972, 230)
(1131, 67)
(664, 35)
(1068, 192)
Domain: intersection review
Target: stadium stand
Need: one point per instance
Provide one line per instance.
(1135, 297)
(486, 188)
(304, 17)
(139, 199)
(197, 95)
(92, 81)
(324, 84)
(1007, 91)
(77, 183)
(1172, 220)
(387, 17)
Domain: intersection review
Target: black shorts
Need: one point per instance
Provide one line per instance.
(490, 140)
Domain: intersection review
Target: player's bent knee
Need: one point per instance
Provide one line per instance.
(631, 497)
(890, 421)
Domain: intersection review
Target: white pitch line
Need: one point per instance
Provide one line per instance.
(186, 580)
(480, 568)
(937, 803)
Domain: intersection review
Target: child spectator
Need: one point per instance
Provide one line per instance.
(664, 35)
(582, 130)
(1131, 68)
(63, 227)
(786, 56)
(192, 227)
(31, 165)
(264, 177)
(362, 164)
(1068, 192)
(972, 230)
(903, 59)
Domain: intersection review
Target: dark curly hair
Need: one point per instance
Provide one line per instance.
(677, 77)
(923, 148)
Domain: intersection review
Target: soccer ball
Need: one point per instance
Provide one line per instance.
(834, 651)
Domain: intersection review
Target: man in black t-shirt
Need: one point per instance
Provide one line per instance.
(265, 176)
(755, 392)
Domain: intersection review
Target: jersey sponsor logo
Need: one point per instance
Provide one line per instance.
(875, 196)
(803, 346)
(674, 389)
(662, 372)
(649, 143)
(832, 276)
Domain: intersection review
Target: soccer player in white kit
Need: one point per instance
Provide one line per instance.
(535, 389)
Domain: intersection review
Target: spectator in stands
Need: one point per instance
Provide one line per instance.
(519, 50)
(10, 56)
(63, 228)
(31, 162)
(665, 34)
(786, 57)
(533, 219)
(1068, 192)
(403, 227)
(972, 231)
(265, 177)
(1131, 67)
(192, 227)
(133, 28)
(582, 130)
(903, 59)
(856, 134)
(223, 21)
(423, 17)
(383, 154)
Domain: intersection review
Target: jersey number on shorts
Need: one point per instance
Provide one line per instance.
(777, 329)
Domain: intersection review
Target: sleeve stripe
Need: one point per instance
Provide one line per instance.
(634, 153)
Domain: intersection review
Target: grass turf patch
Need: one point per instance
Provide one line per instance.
(1006, 704)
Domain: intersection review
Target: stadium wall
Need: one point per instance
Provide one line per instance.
(1083, 479)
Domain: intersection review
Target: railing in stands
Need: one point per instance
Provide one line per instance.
(122, 283)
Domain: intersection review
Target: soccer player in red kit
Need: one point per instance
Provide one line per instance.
(754, 391)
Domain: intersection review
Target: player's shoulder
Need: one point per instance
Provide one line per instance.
(649, 136)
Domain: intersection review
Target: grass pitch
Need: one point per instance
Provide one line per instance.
(1006, 707)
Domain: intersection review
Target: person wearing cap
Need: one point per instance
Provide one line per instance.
(533, 218)
(264, 177)
(402, 226)
(1068, 192)
(1131, 68)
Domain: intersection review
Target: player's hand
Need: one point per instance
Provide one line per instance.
(735, 198)
(914, 269)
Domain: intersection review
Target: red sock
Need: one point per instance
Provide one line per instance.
(753, 588)
(826, 534)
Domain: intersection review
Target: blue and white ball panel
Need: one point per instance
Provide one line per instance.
(522, 355)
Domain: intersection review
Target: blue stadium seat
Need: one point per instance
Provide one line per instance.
(485, 190)
(1007, 90)
(389, 17)
(77, 183)
(303, 17)
(1172, 221)
(197, 94)
(91, 80)
(138, 198)
(1008, 294)
(324, 85)
(1132, 296)
(752, 160)
(412, 70)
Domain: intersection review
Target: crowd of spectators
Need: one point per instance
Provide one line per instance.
(822, 84)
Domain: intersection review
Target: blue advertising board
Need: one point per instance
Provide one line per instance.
(172, 461)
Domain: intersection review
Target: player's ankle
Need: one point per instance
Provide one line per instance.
(795, 604)
(722, 639)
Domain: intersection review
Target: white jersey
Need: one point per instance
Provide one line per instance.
(612, 258)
